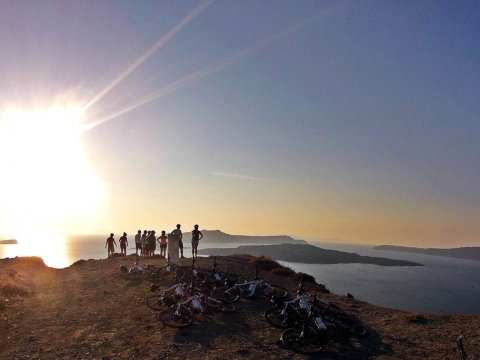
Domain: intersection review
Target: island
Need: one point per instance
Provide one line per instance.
(467, 253)
(306, 253)
(8, 242)
(218, 236)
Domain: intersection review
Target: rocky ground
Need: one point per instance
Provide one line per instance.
(89, 311)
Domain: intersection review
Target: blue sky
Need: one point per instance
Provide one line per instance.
(362, 125)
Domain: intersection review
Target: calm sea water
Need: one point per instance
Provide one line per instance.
(443, 285)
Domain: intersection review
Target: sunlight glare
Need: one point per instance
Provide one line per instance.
(47, 185)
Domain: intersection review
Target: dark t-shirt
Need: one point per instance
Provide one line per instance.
(123, 240)
(196, 235)
(110, 241)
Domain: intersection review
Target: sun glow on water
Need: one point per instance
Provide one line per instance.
(46, 185)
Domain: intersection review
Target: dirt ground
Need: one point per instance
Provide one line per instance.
(89, 311)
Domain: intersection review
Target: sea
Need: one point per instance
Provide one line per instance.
(442, 286)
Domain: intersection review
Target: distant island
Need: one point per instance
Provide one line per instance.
(8, 242)
(217, 236)
(468, 253)
(305, 253)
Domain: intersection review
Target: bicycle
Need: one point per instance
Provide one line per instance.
(308, 336)
(343, 323)
(284, 314)
(167, 298)
(232, 292)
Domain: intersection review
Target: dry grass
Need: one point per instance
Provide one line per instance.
(11, 289)
(285, 272)
(264, 263)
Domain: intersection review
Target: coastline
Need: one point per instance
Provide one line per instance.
(105, 315)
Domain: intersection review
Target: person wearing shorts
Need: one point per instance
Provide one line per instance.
(196, 237)
(123, 244)
(153, 243)
(177, 233)
(162, 240)
(138, 242)
(143, 240)
(110, 242)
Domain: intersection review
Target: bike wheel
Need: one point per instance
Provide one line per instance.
(154, 302)
(170, 317)
(276, 291)
(348, 325)
(303, 341)
(222, 294)
(227, 308)
(276, 318)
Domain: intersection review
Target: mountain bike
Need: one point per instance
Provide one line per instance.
(285, 314)
(231, 292)
(182, 314)
(344, 324)
(308, 336)
(166, 298)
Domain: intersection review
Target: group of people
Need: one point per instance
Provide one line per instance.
(146, 243)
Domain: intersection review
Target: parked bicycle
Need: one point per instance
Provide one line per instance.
(182, 314)
(248, 289)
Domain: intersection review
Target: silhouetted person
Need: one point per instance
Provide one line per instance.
(196, 237)
(152, 241)
(138, 242)
(162, 240)
(148, 245)
(144, 238)
(173, 245)
(178, 234)
(123, 244)
(110, 242)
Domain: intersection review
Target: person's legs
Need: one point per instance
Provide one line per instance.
(180, 244)
(194, 249)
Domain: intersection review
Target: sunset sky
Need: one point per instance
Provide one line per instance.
(355, 121)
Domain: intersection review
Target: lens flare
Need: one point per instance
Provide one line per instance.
(47, 185)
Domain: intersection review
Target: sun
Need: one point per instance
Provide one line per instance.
(47, 186)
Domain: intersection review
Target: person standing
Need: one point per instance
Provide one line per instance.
(179, 235)
(162, 240)
(110, 242)
(138, 242)
(147, 246)
(144, 238)
(174, 239)
(153, 243)
(123, 244)
(196, 237)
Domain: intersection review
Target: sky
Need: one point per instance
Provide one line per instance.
(352, 121)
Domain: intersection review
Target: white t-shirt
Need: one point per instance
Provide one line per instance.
(177, 234)
(138, 238)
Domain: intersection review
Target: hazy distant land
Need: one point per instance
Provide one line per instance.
(211, 236)
(8, 242)
(305, 253)
(217, 236)
(469, 253)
